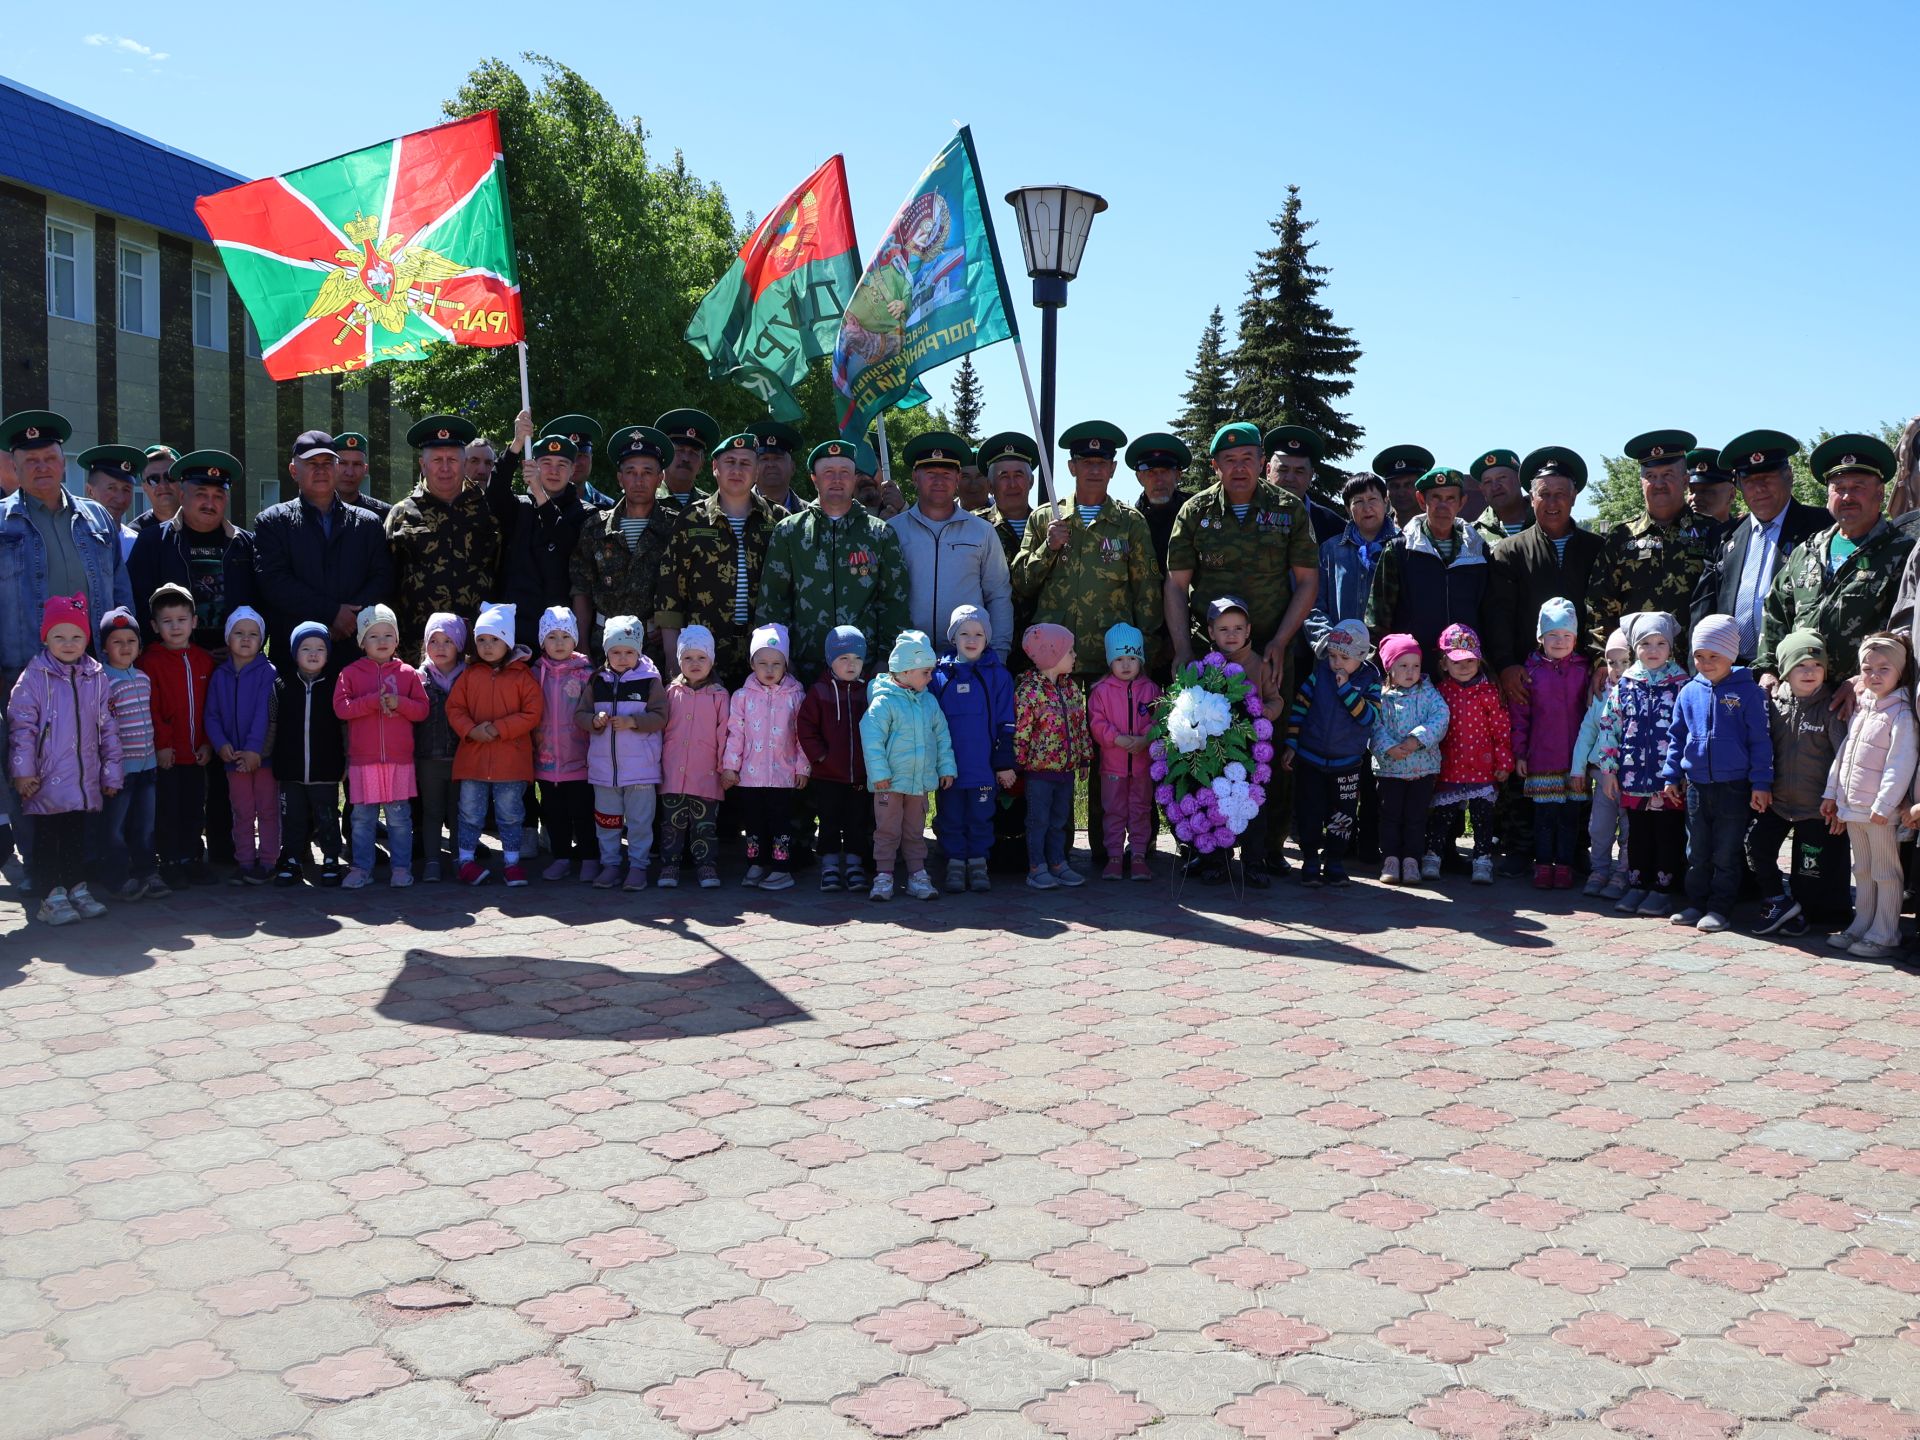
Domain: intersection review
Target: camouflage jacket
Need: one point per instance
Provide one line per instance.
(1106, 573)
(1492, 530)
(1842, 604)
(445, 556)
(1017, 662)
(697, 579)
(820, 574)
(1644, 565)
(1252, 558)
(620, 581)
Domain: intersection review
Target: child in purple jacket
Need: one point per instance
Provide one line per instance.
(1544, 732)
(241, 699)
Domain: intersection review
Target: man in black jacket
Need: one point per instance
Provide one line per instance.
(317, 557)
(201, 551)
(1552, 558)
(539, 531)
(1755, 545)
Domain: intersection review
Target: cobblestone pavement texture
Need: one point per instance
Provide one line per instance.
(1362, 1163)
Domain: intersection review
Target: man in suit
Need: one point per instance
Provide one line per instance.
(1756, 544)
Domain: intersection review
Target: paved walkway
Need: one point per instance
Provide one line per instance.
(1373, 1164)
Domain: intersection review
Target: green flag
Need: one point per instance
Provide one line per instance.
(934, 291)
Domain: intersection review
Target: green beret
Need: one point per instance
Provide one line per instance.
(1402, 460)
(1554, 460)
(549, 446)
(350, 442)
(1232, 436)
(161, 452)
(583, 430)
(690, 427)
(1704, 468)
(937, 447)
(1660, 447)
(1159, 451)
(832, 450)
(1495, 460)
(1852, 452)
(1093, 440)
(1440, 475)
(34, 430)
(206, 467)
(780, 436)
(745, 440)
(1008, 445)
(1761, 450)
(121, 461)
(640, 440)
(441, 430)
(1296, 440)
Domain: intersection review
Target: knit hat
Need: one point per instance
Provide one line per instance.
(370, 616)
(1647, 622)
(1618, 641)
(1556, 615)
(247, 612)
(496, 620)
(626, 631)
(118, 618)
(768, 637)
(963, 613)
(1458, 642)
(845, 640)
(1800, 645)
(694, 640)
(1045, 644)
(63, 610)
(1125, 641)
(302, 631)
(445, 622)
(558, 617)
(1350, 639)
(1392, 647)
(1720, 634)
(912, 651)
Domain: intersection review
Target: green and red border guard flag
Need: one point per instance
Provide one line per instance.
(375, 255)
(778, 307)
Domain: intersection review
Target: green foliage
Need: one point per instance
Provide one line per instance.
(1205, 411)
(968, 402)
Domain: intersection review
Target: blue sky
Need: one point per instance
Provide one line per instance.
(1546, 224)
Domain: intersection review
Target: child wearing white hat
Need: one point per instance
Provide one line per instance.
(764, 759)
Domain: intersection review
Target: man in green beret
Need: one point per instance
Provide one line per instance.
(714, 560)
(585, 432)
(831, 563)
(1160, 462)
(1433, 573)
(1755, 546)
(774, 466)
(443, 538)
(1655, 560)
(1504, 508)
(111, 471)
(1849, 580)
(351, 450)
(615, 567)
(1401, 467)
(1551, 558)
(694, 434)
(1292, 453)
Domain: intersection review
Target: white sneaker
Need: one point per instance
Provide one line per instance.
(56, 909)
(81, 898)
(776, 880)
(755, 874)
(1430, 866)
(1596, 882)
(1713, 922)
(357, 879)
(1066, 875)
(1390, 870)
(1483, 870)
(1872, 950)
(920, 886)
(882, 888)
(1688, 916)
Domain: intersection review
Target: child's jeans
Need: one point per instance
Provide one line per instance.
(180, 812)
(1326, 807)
(628, 807)
(310, 816)
(1049, 817)
(1606, 831)
(899, 828)
(1876, 881)
(963, 819)
(567, 808)
(1556, 831)
(399, 834)
(1817, 867)
(1403, 816)
(1656, 848)
(509, 799)
(439, 803)
(846, 817)
(127, 830)
(766, 820)
(1718, 812)
(688, 829)
(1126, 815)
(255, 797)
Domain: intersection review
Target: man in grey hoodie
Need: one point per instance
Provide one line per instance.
(952, 557)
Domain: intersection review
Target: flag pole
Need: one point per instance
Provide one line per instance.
(886, 463)
(526, 402)
(1046, 464)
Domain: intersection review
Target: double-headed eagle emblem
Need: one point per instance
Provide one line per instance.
(381, 284)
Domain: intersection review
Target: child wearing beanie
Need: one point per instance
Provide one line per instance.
(179, 670)
(1546, 731)
(1119, 717)
(493, 708)
(1051, 744)
(1807, 734)
(623, 712)
(1329, 726)
(696, 736)
(381, 699)
(241, 699)
(909, 753)
(560, 748)
(1406, 741)
(837, 784)
(1633, 732)
(1475, 759)
(975, 693)
(1868, 791)
(1606, 824)
(764, 759)
(309, 759)
(130, 871)
(443, 655)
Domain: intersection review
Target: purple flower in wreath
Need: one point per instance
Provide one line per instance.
(1203, 842)
(1234, 667)
(1256, 709)
(1262, 751)
(1262, 729)
(1214, 659)
(1157, 750)
(1261, 774)
(1157, 770)
(1257, 793)
(1163, 797)
(1183, 832)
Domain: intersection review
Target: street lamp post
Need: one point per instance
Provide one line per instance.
(1054, 221)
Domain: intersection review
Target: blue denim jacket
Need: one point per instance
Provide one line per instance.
(23, 573)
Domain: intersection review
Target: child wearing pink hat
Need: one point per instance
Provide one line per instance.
(1406, 757)
(1476, 758)
(1051, 744)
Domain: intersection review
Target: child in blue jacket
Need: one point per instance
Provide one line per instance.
(976, 695)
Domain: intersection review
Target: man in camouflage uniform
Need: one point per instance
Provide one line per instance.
(694, 434)
(1849, 580)
(720, 541)
(1008, 461)
(831, 563)
(1245, 537)
(1160, 461)
(1653, 561)
(615, 567)
(443, 538)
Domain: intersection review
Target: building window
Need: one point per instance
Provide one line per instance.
(63, 271)
(209, 308)
(139, 290)
(253, 339)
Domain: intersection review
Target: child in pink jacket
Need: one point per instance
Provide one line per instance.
(764, 757)
(381, 699)
(560, 749)
(1119, 714)
(696, 736)
(1545, 730)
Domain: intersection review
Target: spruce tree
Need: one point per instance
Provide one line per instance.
(1208, 384)
(1293, 365)
(967, 402)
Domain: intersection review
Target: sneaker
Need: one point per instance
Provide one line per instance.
(920, 886)
(1483, 869)
(1409, 871)
(1711, 923)
(1310, 877)
(331, 874)
(1872, 950)
(557, 870)
(1616, 887)
(239, 875)
(1113, 870)
(1793, 929)
(636, 877)
(154, 888)
(1036, 880)
(1846, 939)
(1596, 884)
(130, 890)
(430, 873)
(357, 879)
(1657, 904)
(472, 872)
(1337, 877)
(1142, 870)
(956, 877)
(1256, 877)
(287, 873)
(829, 872)
(1543, 877)
(515, 875)
(777, 880)
(978, 881)
(605, 877)
(1430, 866)
(1390, 870)
(1780, 909)
(1563, 877)
(856, 873)
(882, 888)
(56, 909)
(755, 874)
(1630, 901)
(81, 898)
(669, 877)
(1688, 916)
(259, 873)
(1066, 875)
(400, 879)
(590, 871)
(708, 876)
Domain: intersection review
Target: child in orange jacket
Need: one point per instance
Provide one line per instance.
(494, 708)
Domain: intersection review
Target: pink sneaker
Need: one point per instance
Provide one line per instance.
(1112, 870)
(1141, 869)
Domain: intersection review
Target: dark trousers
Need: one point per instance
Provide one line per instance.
(1818, 864)
(1559, 830)
(1009, 851)
(846, 817)
(963, 820)
(59, 857)
(687, 830)
(1049, 818)
(1326, 808)
(310, 817)
(1443, 826)
(766, 819)
(1656, 849)
(439, 806)
(1403, 816)
(1718, 813)
(1366, 845)
(125, 848)
(567, 808)
(219, 824)
(180, 814)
